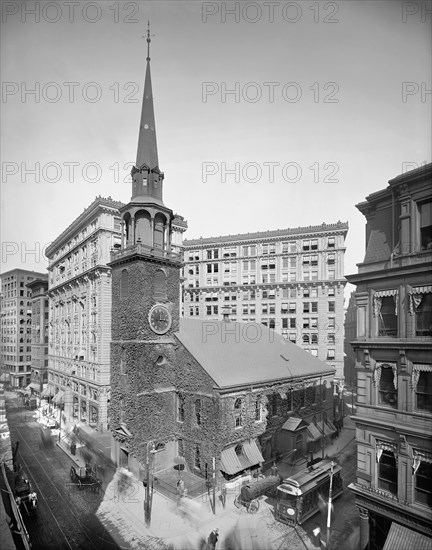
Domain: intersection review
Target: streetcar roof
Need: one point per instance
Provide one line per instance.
(308, 478)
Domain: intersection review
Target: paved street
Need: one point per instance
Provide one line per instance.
(66, 516)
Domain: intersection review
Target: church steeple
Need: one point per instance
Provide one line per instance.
(146, 176)
(147, 146)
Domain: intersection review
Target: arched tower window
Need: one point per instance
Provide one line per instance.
(127, 228)
(159, 228)
(160, 286)
(124, 284)
(143, 228)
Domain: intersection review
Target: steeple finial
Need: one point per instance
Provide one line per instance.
(148, 40)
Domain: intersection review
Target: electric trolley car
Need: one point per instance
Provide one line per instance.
(299, 497)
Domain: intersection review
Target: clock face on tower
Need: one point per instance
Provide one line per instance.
(159, 319)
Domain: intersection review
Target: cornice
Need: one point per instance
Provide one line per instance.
(268, 286)
(385, 273)
(88, 238)
(391, 508)
(394, 344)
(135, 256)
(269, 236)
(94, 271)
(107, 204)
(259, 257)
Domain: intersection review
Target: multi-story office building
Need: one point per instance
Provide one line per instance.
(80, 313)
(39, 335)
(16, 321)
(289, 280)
(350, 334)
(394, 365)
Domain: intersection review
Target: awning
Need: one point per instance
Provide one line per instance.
(231, 462)
(329, 428)
(313, 433)
(47, 392)
(33, 386)
(402, 537)
(58, 398)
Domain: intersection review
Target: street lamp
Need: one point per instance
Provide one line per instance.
(149, 494)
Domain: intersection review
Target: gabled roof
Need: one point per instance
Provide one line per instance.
(294, 423)
(235, 354)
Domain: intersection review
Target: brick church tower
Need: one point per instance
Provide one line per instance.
(145, 308)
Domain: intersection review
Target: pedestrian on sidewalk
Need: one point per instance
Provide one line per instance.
(223, 494)
(213, 538)
(274, 471)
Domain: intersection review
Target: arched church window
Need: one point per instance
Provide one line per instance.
(159, 228)
(160, 286)
(143, 228)
(124, 284)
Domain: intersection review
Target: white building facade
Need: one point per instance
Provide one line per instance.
(290, 280)
(80, 314)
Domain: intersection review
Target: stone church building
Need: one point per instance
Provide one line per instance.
(213, 392)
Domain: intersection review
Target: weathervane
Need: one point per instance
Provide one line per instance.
(148, 40)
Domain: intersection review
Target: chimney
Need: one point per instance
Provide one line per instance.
(226, 312)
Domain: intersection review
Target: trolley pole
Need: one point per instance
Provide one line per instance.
(329, 507)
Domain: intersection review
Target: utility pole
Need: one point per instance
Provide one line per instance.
(329, 506)
(148, 495)
(214, 485)
(59, 435)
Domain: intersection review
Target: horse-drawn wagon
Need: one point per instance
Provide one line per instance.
(85, 478)
(25, 498)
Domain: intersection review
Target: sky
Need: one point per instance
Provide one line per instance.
(269, 115)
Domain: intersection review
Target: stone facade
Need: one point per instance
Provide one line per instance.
(39, 334)
(393, 360)
(80, 314)
(16, 325)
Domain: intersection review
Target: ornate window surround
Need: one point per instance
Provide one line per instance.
(379, 295)
(417, 368)
(415, 296)
(377, 372)
(381, 446)
(418, 458)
